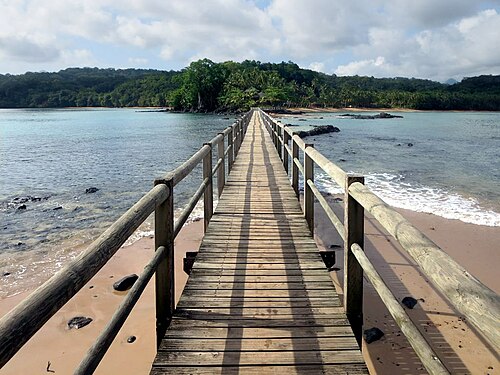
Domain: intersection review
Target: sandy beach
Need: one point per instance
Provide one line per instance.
(473, 246)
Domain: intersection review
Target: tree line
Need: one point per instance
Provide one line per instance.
(206, 86)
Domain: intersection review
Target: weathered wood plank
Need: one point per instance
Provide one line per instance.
(255, 358)
(340, 369)
(316, 314)
(214, 303)
(265, 312)
(259, 297)
(256, 345)
(262, 287)
(259, 323)
(259, 332)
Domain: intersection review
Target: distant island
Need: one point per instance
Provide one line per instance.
(206, 86)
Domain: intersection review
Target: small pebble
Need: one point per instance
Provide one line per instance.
(372, 334)
(79, 322)
(131, 339)
(125, 283)
(409, 302)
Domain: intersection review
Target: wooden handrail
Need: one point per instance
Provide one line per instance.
(95, 354)
(334, 219)
(21, 323)
(183, 170)
(432, 363)
(479, 304)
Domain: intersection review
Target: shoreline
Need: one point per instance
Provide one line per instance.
(456, 343)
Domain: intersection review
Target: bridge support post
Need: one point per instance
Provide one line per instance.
(208, 197)
(286, 140)
(279, 143)
(236, 138)
(353, 273)
(295, 168)
(164, 276)
(308, 193)
(221, 172)
(230, 154)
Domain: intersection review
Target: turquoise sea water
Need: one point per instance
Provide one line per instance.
(55, 155)
(451, 170)
(445, 163)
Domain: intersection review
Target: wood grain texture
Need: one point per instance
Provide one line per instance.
(259, 297)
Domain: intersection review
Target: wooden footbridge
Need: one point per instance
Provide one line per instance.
(259, 298)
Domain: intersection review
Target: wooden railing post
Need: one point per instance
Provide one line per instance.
(164, 276)
(286, 140)
(230, 153)
(308, 193)
(279, 145)
(353, 273)
(295, 168)
(208, 197)
(221, 172)
(237, 139)
(273, 132)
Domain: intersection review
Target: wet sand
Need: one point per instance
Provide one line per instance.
(473, 246)
(456, 343)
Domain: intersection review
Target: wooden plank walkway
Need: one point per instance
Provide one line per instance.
(259, 298)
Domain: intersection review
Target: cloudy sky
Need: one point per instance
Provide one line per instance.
(435, 39)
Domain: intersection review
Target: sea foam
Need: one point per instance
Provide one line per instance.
(416, 197)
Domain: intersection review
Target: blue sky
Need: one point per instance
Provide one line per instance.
(435, 39)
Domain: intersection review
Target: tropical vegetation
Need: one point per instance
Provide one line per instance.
(206, 86)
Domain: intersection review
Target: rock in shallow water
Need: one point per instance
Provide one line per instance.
(125, 283)
(79, 322)
(317, 130)
(372, 334)
(91, 190)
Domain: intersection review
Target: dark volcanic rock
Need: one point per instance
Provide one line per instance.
(131, 339)
(285, 112)
(409, 302)
(410, 144)
(125, 283)
(91, 190)
(370, 117)
(22, 207)
(79, 322)
(372, 334)
(28, 198)
(317, 130)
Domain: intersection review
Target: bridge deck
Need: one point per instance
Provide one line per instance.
(259, 298)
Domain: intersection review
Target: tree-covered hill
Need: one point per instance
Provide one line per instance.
(205, 86)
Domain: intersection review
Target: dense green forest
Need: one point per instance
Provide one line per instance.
(205, 86)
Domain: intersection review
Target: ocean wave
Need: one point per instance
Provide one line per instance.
(395, 191)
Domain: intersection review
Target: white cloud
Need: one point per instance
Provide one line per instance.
(317, 66)
(425, 38)
(322, 26)
(463, 48)
(138, 61)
